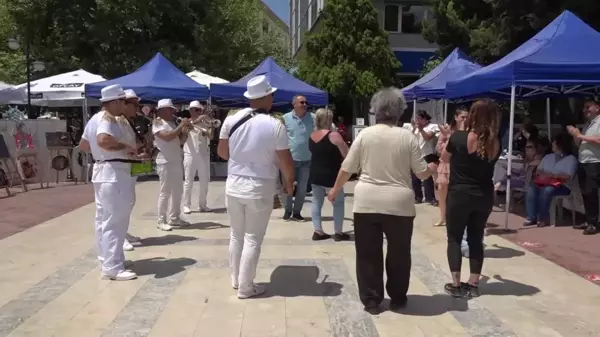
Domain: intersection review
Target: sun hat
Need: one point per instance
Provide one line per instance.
(259, 87)
(112, 93)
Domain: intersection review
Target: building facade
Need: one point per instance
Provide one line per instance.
(402, 20)
(271, 24)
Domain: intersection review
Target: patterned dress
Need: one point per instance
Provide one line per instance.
(443, 170)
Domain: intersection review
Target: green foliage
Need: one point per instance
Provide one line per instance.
(350, 55)
(488, 30)
(114, 37)
(431, 64)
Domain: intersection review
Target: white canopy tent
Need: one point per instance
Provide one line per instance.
(64, 90)
(205, 79)
(8, 93)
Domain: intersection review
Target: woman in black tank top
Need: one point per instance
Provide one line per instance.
(328, 150)
(472, 155)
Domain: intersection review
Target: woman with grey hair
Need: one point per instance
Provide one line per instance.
(385, 155)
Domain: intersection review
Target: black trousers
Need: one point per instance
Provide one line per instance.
(589, 181)
(418, 185)
(466, 211)
(369, 229)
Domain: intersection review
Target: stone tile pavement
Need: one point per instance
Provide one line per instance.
(50, 284)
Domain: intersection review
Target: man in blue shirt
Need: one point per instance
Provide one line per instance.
(299, 125)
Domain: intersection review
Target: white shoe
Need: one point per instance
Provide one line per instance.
(132, 238)
(234, 284)
(163, 226)
(127, 246)
(255, 291)
(125, 275)
(187, 210)
(179, 223)
(204, 209)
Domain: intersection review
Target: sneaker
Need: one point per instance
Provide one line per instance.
(179, 223)
(529, 223)
(454, 291)
(417, 201)
(204, 209)
(433, 203)
(125, 275)
(320, 237)
(590, 230)
(341, 237)
(297, 217)
(127, 246)
(163, 226)
(132, 238)
(187, 210)
(287, 216)
(470, 290)
(582, 225)
(255, 291)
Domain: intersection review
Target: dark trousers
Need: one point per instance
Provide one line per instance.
(418, 188)
(369, 229)
(589, 181)
(464, 210)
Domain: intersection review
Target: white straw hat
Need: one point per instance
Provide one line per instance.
(196, 104)
(130, 94)
(166, 103)
(259, 87)
(112, 93)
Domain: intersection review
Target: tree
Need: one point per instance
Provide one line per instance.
(115, 37)
(488, 30)
(350, 55)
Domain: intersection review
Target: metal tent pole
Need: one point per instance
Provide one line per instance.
(548, 121)
(510, 151)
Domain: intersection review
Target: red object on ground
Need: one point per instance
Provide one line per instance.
(593, 277)
(27, 209)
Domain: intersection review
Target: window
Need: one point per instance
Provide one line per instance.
(391, 18)
(406, 19)
(314, 12)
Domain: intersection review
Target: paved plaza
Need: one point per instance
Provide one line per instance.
(50, 284)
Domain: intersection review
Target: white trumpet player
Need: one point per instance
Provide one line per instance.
(196, 158)
(168, 139)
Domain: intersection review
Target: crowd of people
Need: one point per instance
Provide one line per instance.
(391, 161)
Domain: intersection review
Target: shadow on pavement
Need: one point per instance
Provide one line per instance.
(161, 267)
(204, 226)
(434, 305)
(500, 252)
(165, 240)
(505, 287)
(293, 281)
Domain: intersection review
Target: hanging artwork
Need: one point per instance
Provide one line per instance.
(29, 167)
(23, 138)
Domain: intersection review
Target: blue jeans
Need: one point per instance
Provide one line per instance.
(319, 193)
(301, 174)
(538, 199)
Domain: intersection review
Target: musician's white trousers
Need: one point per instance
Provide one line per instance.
(191, 164)
(248, 219)
(113, 208)
(171, 189)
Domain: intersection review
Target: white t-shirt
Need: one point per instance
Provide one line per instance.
(253, 166)
(108, 172)
(196, 144)
(428, 146)
(170, 152)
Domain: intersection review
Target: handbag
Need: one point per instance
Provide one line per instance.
(547, 181)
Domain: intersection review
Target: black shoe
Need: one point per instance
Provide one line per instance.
(287, 216)
(297, 217)
(320, 237)
(433, 202)
(397, 305)
(529, 223)
(373, 309)
(453, 291)
(470, 290)
(417, 201)
(341, 237)
(583, 225)
(591, 230)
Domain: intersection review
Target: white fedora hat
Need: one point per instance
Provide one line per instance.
(165, 103)
(259, 87)
(112, 92)
(130, 94)
(196, 104)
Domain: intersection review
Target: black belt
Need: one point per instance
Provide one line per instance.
(128, 161)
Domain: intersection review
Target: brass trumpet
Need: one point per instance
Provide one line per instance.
(204, 124)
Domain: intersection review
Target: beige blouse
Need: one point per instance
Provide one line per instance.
(385, 155)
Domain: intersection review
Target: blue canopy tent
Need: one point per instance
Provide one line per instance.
(433, 84)
(562, 59)
(155, 80)
(232, 94)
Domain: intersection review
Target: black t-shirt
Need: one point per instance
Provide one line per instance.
(469, 172)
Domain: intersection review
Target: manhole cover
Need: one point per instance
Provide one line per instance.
(593, 277)
(530, 244)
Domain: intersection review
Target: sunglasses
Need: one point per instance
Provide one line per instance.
(302, 102)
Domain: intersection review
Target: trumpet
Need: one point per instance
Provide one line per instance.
(204, 124)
